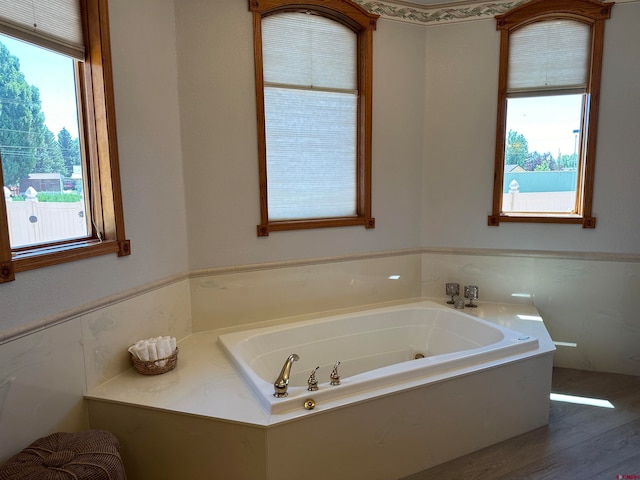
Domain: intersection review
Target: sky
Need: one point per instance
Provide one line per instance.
(548, 123)
(54, 76)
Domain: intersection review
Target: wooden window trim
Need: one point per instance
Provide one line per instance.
(101, 154)
(363, 24)
(594, 13)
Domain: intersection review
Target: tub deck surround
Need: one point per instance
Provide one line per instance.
(376, 349)
(206, 383)
(217, 427)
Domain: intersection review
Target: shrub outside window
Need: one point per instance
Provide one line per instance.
(548, 103)
(313, 66)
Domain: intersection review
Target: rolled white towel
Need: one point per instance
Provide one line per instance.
(153, 352)
(172, 342)
(163, 347)
(141, 350)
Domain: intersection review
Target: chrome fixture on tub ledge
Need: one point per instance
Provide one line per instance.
(282, 382)
(452, 290)
(471, 292)
(335, 376)
(313, 381)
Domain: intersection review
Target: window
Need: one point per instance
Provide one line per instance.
(313, 66)
(548, 102)
(60, 177)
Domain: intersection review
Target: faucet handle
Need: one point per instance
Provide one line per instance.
(335, 376)
(313, 381)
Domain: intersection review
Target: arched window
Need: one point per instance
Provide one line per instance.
(548, 102)
(313, 67)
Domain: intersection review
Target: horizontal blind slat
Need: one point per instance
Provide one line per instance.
(549, 54)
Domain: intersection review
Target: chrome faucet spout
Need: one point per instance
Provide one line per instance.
(282, 382)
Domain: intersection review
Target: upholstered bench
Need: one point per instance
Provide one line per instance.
(92, 455)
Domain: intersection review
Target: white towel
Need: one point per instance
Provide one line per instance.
(154, 349)
(141, 350)
(153, 352)
(163, 346)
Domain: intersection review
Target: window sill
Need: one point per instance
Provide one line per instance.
(276, 226)
(586, 222)
(54, 255)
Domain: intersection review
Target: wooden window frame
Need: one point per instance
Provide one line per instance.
(363, 24)
(99, 143)
(594, 13)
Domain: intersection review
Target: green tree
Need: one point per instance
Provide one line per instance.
(517, 149)
(539, 162)
(70, 150)
(567, 162)
(21, 119)
(49, 156)
(26, 144)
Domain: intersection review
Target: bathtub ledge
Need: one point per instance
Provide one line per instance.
(206, 384)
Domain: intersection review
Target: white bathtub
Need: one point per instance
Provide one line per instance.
(376, 350)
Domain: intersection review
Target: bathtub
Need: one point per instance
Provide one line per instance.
(380, 351)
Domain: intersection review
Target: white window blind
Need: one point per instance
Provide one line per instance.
(549, 55)
(311, 98)
(308, 51)
(52, 24)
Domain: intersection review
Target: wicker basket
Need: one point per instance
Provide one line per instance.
(155, 367)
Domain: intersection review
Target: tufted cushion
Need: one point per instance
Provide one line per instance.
(92, 455)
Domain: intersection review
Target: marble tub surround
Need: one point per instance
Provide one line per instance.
(588, 300)
(500, 279)
(224, 298)
(41, 385)
(44, 374)
(108, 333)
(207, 393)
(591, 311)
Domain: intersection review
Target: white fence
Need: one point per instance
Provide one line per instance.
(32, 222)
(516, 201)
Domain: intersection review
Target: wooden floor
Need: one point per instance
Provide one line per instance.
(581, 442)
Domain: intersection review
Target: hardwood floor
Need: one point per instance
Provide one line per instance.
(581, 442)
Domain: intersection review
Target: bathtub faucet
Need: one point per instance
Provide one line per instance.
(282, 382)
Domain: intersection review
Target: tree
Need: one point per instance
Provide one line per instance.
(49, 156)
(517, 149)
(70, 150)
(26, 144)
(568, 162)
(21, 119)
(539, 162)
